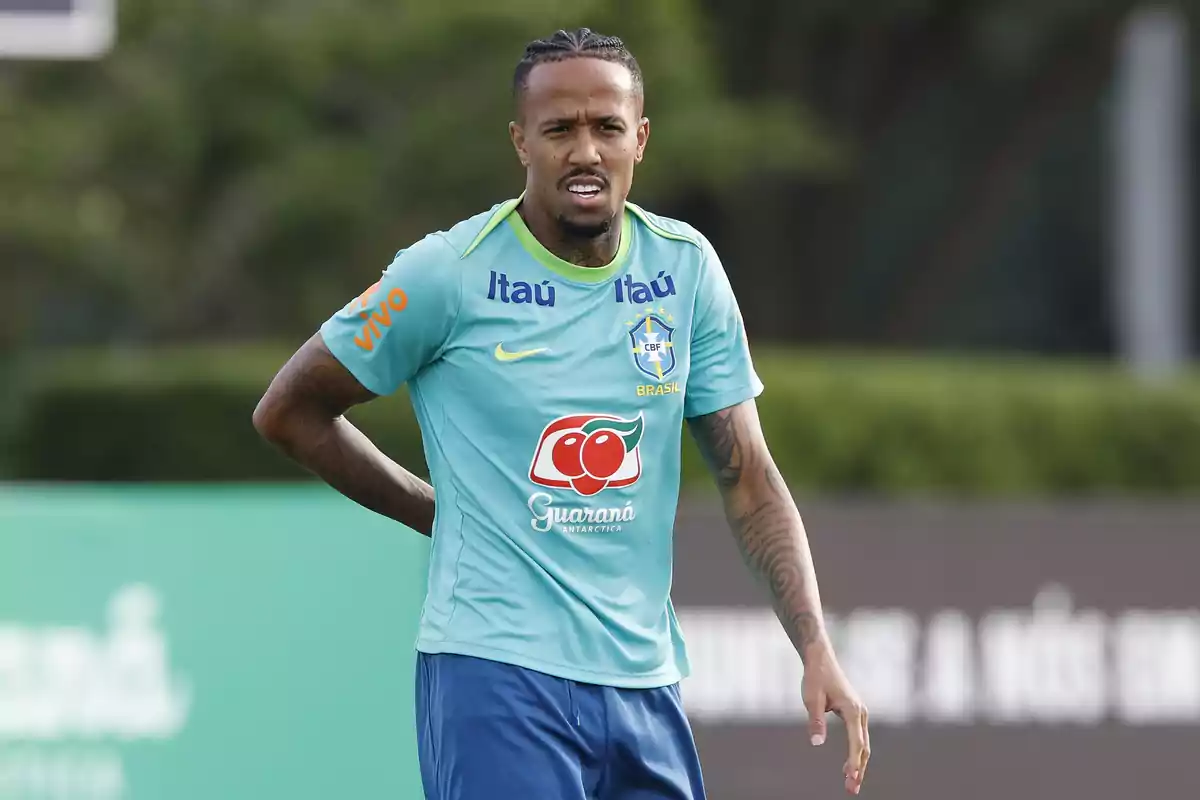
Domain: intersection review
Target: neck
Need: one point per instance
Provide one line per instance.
(596, 251)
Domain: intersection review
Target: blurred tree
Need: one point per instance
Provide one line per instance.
(913, 172)
(238, 169)
(975, 217)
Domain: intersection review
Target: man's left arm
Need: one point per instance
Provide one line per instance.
(769, 532)
(764, 520)
(722, 416)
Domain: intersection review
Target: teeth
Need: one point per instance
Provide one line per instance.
(584, 189)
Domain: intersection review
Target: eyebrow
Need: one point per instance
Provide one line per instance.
(572, 121)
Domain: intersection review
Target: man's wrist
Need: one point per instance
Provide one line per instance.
(818, 648)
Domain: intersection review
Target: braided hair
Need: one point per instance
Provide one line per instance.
(581, 43)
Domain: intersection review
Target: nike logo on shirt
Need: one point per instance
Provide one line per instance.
(504, 355)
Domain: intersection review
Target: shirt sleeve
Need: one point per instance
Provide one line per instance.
(722, 373)
(403, 321)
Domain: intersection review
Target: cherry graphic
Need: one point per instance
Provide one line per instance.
(567, 455)
(587, 485)
(602, 453)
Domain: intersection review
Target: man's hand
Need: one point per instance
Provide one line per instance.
(825, 688)
(770, 534)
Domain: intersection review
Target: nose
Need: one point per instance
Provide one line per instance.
(583, 150)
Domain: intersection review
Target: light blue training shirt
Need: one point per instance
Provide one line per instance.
(551, 400)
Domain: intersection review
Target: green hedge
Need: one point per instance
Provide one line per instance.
(843, 424)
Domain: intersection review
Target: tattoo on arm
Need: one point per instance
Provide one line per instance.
(763, 517)
(718, 442)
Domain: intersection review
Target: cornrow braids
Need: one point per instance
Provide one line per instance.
(581, 43)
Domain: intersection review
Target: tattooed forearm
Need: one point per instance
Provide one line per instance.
(302, 414)
(716, 437)
(764, 519)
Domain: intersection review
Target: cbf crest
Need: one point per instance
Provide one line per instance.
(652, 339)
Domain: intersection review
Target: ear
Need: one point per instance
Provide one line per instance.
(643, 136)
(517, 133)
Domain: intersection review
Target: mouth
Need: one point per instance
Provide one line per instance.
(585, 190)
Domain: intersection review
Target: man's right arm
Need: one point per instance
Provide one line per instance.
(369, 348)
(302, 413)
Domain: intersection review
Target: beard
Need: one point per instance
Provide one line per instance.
(584, 231)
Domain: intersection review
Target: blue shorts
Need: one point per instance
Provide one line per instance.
(493, 731)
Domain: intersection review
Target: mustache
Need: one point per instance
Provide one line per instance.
(583, 173)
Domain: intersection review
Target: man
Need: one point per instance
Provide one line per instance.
(553, 347)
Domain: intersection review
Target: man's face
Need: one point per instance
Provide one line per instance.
(579, 135)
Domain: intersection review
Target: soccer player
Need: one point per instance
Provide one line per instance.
(553, 347)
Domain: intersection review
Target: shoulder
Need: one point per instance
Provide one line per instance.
(668, 230)
(439, 255)
(700, 256)
(466, 236)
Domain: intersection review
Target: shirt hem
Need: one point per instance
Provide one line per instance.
(653, 680)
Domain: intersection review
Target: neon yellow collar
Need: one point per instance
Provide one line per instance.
(508, 212)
